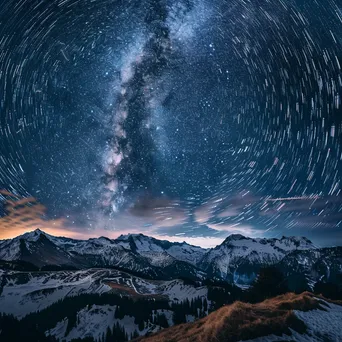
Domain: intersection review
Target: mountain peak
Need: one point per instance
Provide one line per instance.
(38, 231)
(235, 237)
(132, 236)
(299, 241)
(141, 242)
(32, 235)
(296, 238)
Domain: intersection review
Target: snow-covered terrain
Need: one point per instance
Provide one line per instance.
(23, 293)
(26, 292)
(93, 322)
(321, 326)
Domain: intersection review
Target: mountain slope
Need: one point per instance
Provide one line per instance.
(323, 264)
(238, 259)
(145, 246)
(37, 248)
(288, 317)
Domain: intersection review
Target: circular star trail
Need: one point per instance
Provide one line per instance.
(197, 117)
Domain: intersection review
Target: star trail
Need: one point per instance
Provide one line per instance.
(188, 119)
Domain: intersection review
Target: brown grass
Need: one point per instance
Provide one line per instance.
(242, 321)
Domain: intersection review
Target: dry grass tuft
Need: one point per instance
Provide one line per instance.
(242, 321)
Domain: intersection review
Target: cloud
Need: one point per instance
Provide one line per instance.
(225, 207)
(221, 214)
(166, 218)
(310, 212)
(25, 214)
(159, 211)
(203, 214)
(230, 211)
(234, 228)
(189, 229)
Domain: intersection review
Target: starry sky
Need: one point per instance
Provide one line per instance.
(185, 119)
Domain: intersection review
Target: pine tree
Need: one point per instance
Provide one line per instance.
(270, 283)
(141, 325)
(162, 321)
(205, 305)
(178, 316)
(108, 335)
(135, 334)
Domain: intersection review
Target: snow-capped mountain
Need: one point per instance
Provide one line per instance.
(237, 260)
(136, 253)
(151, 247)
(37, 248)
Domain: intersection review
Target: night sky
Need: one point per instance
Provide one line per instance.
(186, 119)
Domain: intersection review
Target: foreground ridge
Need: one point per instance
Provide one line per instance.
(286, 317)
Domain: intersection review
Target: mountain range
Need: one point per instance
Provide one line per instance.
(119, 289)
(237, 259)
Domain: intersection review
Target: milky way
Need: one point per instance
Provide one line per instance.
(189, 117)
